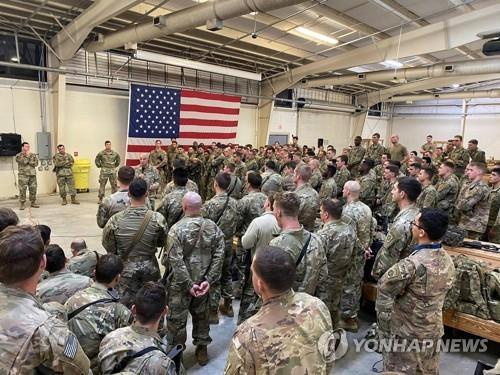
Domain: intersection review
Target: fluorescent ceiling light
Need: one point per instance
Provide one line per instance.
(358, 69)
(253, 13)
(392, 64)
(14, 59)
(185, 63)
(317, 36)
(455, 85)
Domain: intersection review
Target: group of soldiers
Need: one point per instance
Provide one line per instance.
(275, 227)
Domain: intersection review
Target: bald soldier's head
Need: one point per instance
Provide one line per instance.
(77, 245)
(191, 203)
(351, 190)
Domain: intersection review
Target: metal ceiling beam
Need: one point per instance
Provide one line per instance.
(451, 95)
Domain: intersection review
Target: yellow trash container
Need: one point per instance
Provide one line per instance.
(81, 173)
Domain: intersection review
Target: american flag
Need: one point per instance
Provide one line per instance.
(165, 113)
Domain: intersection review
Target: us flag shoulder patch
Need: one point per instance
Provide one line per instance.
(71, 346)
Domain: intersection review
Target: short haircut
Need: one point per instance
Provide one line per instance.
(150, 301)
(330, 171)
(411, 187)
(107, 268)
(343, 158)
(459, 137)
(480, 166)
(24, 143)
(434, 222)
(370, 163)
(496, 170)
(288, 202)
(416, 165)
(231, 166)
(305, 172)
(396, 163)
(388, 154)
(254, 180)
(223, 180)
(45, 232)
(429, 172)
(474, 141)
(180, 176)
(107, 142)
(55, 258)
(178, 163)
(449, 164)
(393, 169)
(7, 218)
(291, 165)
(126, 174)
(376, 135)
(333, 207)
(270, 164)
(21, 251)
(271, 197)
(60, 145)
(427, 159)
(138, 188)
(78, 244)
(275, 267)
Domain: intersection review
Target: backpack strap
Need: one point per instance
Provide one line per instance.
(120, 366)
(138, 235)
(303, 251)
(72, 314)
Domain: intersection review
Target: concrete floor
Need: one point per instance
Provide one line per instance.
(74, 221)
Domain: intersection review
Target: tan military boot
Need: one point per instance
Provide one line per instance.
(201, 355)
(34, 205)
(73, 200)
(213, 317)
(64, 201)
(349, 324)
(226, 308)
(21, 206)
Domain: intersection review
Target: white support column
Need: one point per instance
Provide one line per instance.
(465, 107)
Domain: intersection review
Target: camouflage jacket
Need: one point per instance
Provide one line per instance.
(411, 294)
(226, 220)
(240, 170)
(361, 219)
(250, 207)
(288, 182)
(389, 208)
(61, 285)
(339, 238)
(477, 156)
(398, 244)
(460, 156)
(309, 206)
(122, 341)
(97, 320)
(149, 174)
(216, 163)
(235, 188)
(26, 164)
(494, 205)
(108, 161)
(158, 158)
(447, 190)
(341, 177)
(252, 165)
(30, 337)
(428, 197)
(375, 152)
(271, 182)
(171, 205)
(192, 261)
(282, 338)
(312, 272)
(190, 186)
(356, 155)
(328, 189)
(260, 232)
(429, 147)
(63, 164)
(111, 205)
(84, 262)
(474, 206)
(368, 184)
(316, 180)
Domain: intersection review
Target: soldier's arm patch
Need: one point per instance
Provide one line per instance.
(393, 273)
(71, 346)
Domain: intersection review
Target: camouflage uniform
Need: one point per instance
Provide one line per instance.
(97, 320)
(140, 263)
(429, 147)
(171, 205)
(496, 230)
(26, 176)
(477, 156)
(312, 272)
(316, 180)
(494, 209)
(226, 220)
(409, 306)
(360, 217)
(190, 186)
(31, 337)
(214, 166)
(84, 262)
(252, 165)
(356, 155)
(398, 243)
(241, 170)
(123, 341)
(288, 183)
(368, 192)
(111, 205)
(282, 338)
(152, 178)
(64, 174)
(107, 161)
(309, 206)
(338, 238)
(460, 156)
(341, 177)
(375, 152)
(235, 189)
(195, 169)
(271, 182)
(473, 208)
(61, 285)
(388, 208)
(191, 257)
(428, 197)
(159, 159)
(328, 189)
(447, 190)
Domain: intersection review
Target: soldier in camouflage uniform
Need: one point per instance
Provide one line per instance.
(62, 166)
(447, 187)
(386, 205)
(476, 155)
(398, 243)
(97, 320)
(83, 261)
(356, 156)
(171, 204)
(122, 236)
(494, 205)
(368, 181)
(107, 160)
(61, 283)
(235, 189)
(316, 177)
(338, 238)
(150, 307)
(194, 166)
(329, 186)
(411, 296)
(240, 170)
(158, 158)
(250, 162)
(309, 198)
(429, 146)
(214, 165)
(473, 205)
(26, 176)
(223, 211)
(288, 176)
(375, 150)
(272, 181)
(343, 175)
(31, 339)
(287, 335)
(149, 174)
(193, 259)
(459, 156)
(359, 216)
(429, 195)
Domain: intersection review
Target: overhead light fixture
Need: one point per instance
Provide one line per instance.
(14, 59)
(455, 85)
(253, 13)
(392, 64)
(317, 36)
(358, 69)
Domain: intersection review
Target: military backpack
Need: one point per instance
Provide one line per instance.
(493, 293)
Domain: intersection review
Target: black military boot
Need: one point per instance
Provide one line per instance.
(34, 205)
(64, 201)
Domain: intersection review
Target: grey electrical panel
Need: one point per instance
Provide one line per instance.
(43, 145)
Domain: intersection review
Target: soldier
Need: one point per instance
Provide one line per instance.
(305, 247)
(171, 205)
(31, 339)
(149, 174)
(214, 166)
(289, 325)
(368, 182)
(476, 155)
(411, 296)
(459, 155)
(447, 187)
(190, 184)
(134, 234)
(398, 243)
(235, 189)
(494, 204)
(118, 201)
(223, 211)
(309, 198)
(195, 165)
(329, 186)
(107, 160)
(193, 259)
(288, 176)
(95, 311)
(250, 162)
(356, 155)
(360, 216)
(158, 158)
(7, 218)
(398, 151)
(429, 195)
(180, 155)
(272, 181)
(414, 170)
(386, 206)
(240, 170)
(83, 261)
(26, 177)
(61, 283)
(123, 350)
(428, 146)
(316, 178)
(473, 204)
(338, 237)
(375, 150)
(62, 166)
(343, 175)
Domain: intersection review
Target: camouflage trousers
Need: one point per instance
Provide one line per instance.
(351, 294)
(474, 235)
(62, 182)
(136, 272)
(240, 266)
(180, 304)
(27, 182)
(406, 361)
(250, 301)
(336, 281)
(223, 287)
(103, 179)
(210, 192)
